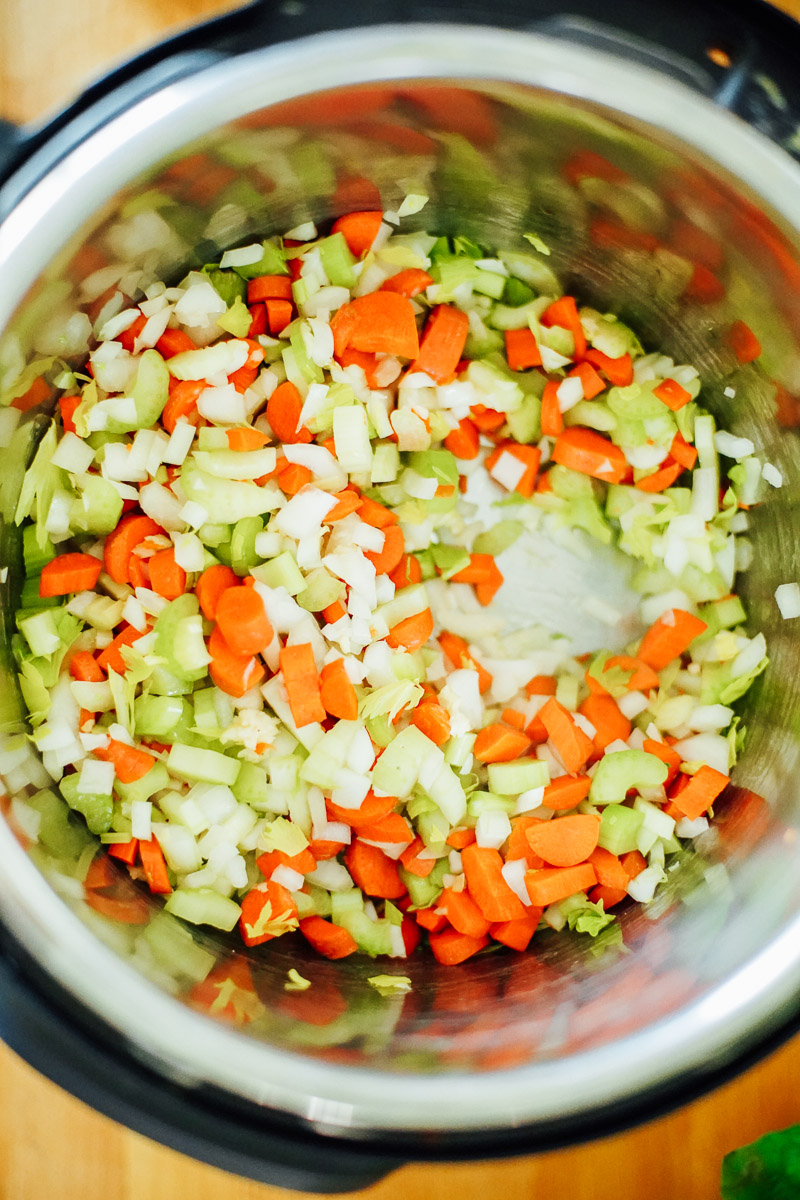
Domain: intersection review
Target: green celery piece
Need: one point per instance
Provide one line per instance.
(767, 1169)
(250, 786)
(96, 809)
(497, 539)
(337, 261)
(97, 507)
(380, 729)
(321, 589)
(426, 563)
(617, 773)
(174, 948)
(243, 544)
(440, 249)
(440, 465)
(57, 834)
(525, 424)
(166, 628)
(281, 571)
(159, 716)
(154, 781)
(35, 556)
(312, 165)
(307, 368)
(450, 559)
(589, 918)
(150, 393)
(272, 262)
(513, 778)
(30, 598)
(229, 285)
(619, 827)
(517, 293)
(203, 906)
(237, 319)
(396, 770)
(424, 892)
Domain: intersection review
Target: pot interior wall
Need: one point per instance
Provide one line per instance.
(628, 215)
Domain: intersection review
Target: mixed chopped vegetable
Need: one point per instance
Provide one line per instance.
(258, 636)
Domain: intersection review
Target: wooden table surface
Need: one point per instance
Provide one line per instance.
(53, 1146)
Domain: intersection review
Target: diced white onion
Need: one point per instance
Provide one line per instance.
(514, 874)
(787, 597)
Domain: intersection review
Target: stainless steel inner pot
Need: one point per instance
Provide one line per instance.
(492, 125)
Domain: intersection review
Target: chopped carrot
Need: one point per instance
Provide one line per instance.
(541, 685)
(283, 413)
(666, 754)
(421, 867)
(669, 637)
(246, 438)
(566, 792)
(373, 808)
(483, 869)
(334, 612)
(293, 477)
(343, 322)
(704, 287)
(609, 721)
(382, 322)
(111, 658)
(373, 871)
(564, 313)
(166, 577)
(269, 287)
(360, 358)
(337, 693)
(591, 382)
(258, 323)
(488, 420)
(518, 845)
(359, 230)
(683, 452)
(155, 869)
(633, 863)
(408, 283)
(618, 371)
(565, 841)
(394, 544)
(511, 717)
(463, 913)
(301, 680)
(660, 480)
(347, 503)
(406, 572)
(324, 850)
(442, 343)
(211, 586)
(122, 541)
(101, 874)
(517, 934)
(457, 651)
(182, 403)
(451, 947)
(616, 236)
(412, 632)
(243, 620)
(127, 337)
(433, 720)
(571, 743)
(332, 941)
(529, 456)
(376, 514)
(743, 342)
(589, 164)
(282, 908)
(174, 341)
(487, 590)
(498, 743)
(125, 851)
(607, 896)
(464, 441)
(233, 674)
(642, 678)
(83, 666)
(672, 394)
(130, 763)
(69, 573)
(430, 919)
(552, 419)
(522, 349)
(279, 315)
(67, 406)
(127, 910)
(459, 838)
(701, 792)
(479, 570)
(270, 860)
(608, 868)
(551, 884)
(590, 453)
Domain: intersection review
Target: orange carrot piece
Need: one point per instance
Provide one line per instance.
(552, 884)
(518, 845)
(376, 514)
(122, 541)
(337, 693)
(347, 503)
(130, 763)
(166, 577)
(552, 419)
(483, 868)
(359, 230)
(394, 544)
(69, 573)
(406, 572)
(83, 666)
(39, 392)
(408, 283)
(243, 620)
(382, 322)
(522, 350)
(101, 874)
(609, 721)
(479, 570)
(683, 452)
(701, 792)
(666, 754)
(498, 743)
(282, 908)
(642, 678)
(182, 403)
(421, 867)
(211, 586)
(451, 947)
(566, 792)
(67, 406)
(591, 382)
(373, 871)
(488, 420)
(172, 342)
(672, 394)
(618, 371)
(430, 919)
(111, 658)
(571, 743)
(125, 851)
(334, 612)
(155, 869)
(564, 313)
(590, 453)
(127, 910)
(269, 287)
(373, 808)
(609, 869)
(510, 716)
(608, 896)
(412, 632)
(464, 441)
(486, 591)
(704, 287)
(743, 342)
(517, 934)
(457, 651)
(442, 343)
(660, 480)
(233, 674)
(390, 828)
(270, 860)
(332, 941)
(292, 477)
(283, 413)
(463, 913)
(279, 315)
(323, 850)
(246, 438)
(459, 838)
(633, 863)
(669, 636)
(541, 685)
(301, 680)
(433, 720)
(565, 841)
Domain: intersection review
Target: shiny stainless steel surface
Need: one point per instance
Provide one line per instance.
(512, 1044)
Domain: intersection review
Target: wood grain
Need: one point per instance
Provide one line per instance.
(53, 1146)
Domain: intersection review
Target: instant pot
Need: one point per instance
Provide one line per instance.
(653, 148)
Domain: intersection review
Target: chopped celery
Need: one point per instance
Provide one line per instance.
(513, 778)
(281, 571)
(617, 773)
(97, 507)
(380, 729)
(57, 834)
(203, 906)
(517, 293)
(524, 424)
(272, 262)
(250, 786)
(449, 560)
(424, 892)
(397, 768)
(159, 716)
(169, 624)
(440, 465)
(195, 764)
(142, 789)
(174, 948)
(36, 556)
(337, 261)
(40, 632)
(243, 542)
(497, 539)
(321, 589)
(96, 809)
(230, 286)
(619, 827)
